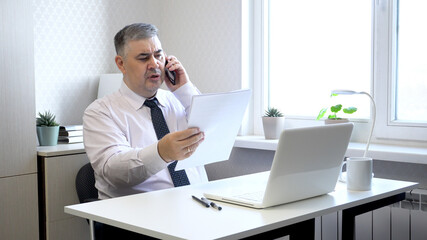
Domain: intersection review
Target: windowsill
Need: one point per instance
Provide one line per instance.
(376, 151)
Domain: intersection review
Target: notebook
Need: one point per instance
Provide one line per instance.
(306, 164)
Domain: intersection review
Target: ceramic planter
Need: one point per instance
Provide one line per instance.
(273, 127)
(48, 136)
(333, 121)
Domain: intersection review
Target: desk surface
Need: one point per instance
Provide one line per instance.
(173, 214)
(60, 149)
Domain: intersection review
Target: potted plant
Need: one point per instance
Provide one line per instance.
(334, 110)
(273, 123)
(47, 129)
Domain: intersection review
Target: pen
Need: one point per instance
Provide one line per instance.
(214, 205)
(201, 201)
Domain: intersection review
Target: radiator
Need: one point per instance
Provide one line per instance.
(405, 220)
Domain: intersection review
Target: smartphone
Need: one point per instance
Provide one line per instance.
(171, 75)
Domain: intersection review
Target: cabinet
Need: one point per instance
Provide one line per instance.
(18, 207)
(18, 172)
(57, 168)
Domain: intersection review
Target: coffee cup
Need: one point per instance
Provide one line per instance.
(359, 173)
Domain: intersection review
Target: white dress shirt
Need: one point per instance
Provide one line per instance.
(121, 143)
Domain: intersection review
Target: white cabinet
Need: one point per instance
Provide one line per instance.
(18, 207)
(58, 167)
(18, 172)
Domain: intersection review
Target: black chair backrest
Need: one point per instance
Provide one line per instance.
(85, 184)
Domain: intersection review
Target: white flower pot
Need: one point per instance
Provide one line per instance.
(273, 127)
(333, 121)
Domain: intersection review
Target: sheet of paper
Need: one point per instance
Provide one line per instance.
(219, 116)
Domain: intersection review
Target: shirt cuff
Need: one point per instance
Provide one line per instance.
(151, 158)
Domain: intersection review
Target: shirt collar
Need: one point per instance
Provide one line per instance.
(137, 101)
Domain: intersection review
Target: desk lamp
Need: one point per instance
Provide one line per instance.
(349, 92)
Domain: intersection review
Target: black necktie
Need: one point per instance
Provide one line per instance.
(179, 178)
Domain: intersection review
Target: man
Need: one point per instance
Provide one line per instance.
(122, 141)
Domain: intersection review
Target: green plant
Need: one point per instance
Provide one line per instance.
(46, 119)
(334, 110)
(273, 112)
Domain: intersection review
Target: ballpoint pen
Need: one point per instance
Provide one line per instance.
(214, 205)
(204, 203)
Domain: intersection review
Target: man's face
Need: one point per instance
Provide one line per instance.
(143, 66)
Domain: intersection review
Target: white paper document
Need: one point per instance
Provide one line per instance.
(219, 116)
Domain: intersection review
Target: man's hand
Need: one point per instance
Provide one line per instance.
(180, 145)
(181, 75)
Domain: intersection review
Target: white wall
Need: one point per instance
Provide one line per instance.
(206, 36)
(74, 44)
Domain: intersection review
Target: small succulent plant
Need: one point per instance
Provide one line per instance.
(273, 112)
(46, 119)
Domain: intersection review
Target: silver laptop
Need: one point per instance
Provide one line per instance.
(306, 164)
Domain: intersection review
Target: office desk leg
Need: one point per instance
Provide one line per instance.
(349, 215)
(302, 231)
(298, 231)
(92, 230)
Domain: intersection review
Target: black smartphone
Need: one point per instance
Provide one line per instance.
(171, 75)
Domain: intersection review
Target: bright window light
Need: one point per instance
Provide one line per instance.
(315, 47)
(411, 97)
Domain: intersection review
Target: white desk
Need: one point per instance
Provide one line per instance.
(173, 214)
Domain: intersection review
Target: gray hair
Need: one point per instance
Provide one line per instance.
(136, 31)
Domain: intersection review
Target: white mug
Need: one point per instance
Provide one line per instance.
(359, 173)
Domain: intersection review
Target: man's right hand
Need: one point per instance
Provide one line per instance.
(180, 145)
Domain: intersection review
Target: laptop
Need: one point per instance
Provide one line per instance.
(306, 164)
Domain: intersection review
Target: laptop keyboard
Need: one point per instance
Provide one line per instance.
(252, 196)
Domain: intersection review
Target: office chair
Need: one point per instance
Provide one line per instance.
(85, 184)
(87, 192)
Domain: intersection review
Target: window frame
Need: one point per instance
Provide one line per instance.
(385, 64)
(386, 130)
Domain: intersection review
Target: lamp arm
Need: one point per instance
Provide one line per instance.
(373, 122)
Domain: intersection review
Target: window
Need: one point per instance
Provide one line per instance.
(315, 47)
(400, 69)
(411, 62)
(305, 49)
